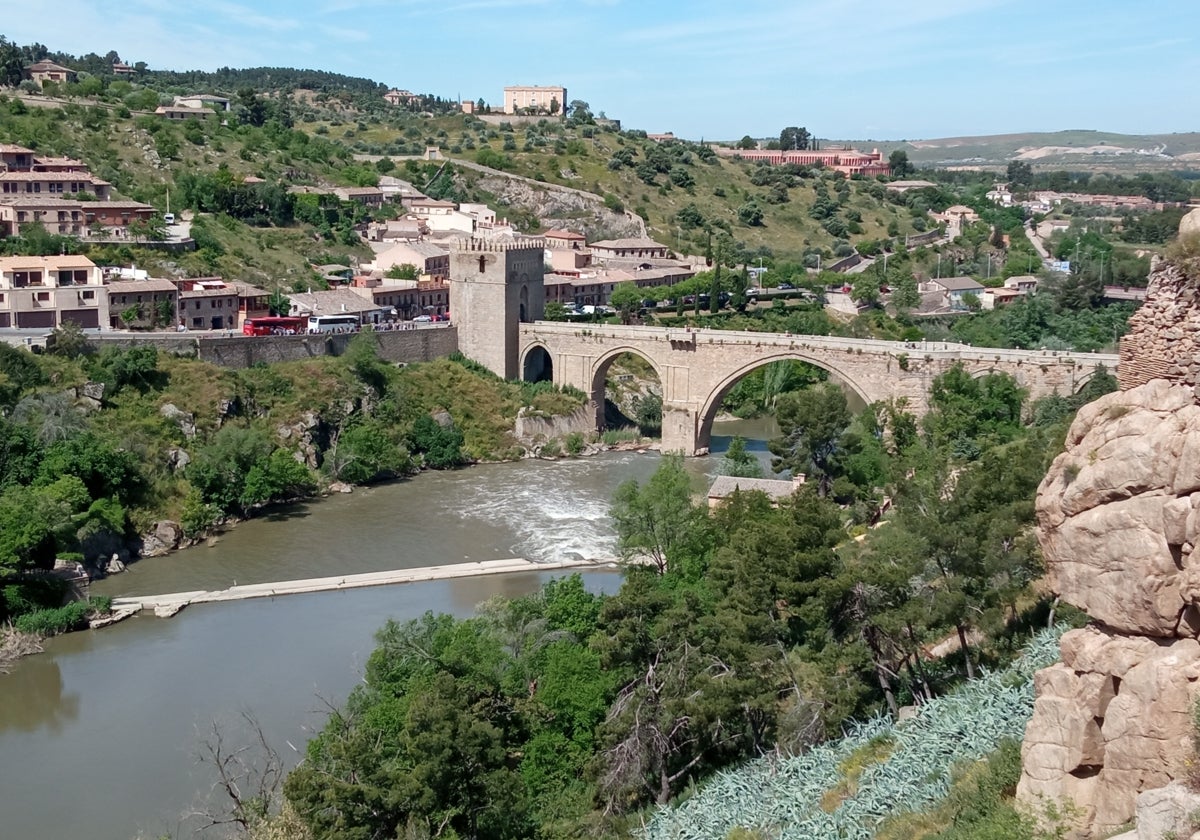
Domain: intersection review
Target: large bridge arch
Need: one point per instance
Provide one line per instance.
(712, 402)
(602, 363)
(598, 376)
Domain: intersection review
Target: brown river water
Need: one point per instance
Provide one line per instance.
(99, 734)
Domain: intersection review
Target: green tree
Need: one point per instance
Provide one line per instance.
(219, 469)
(440, 446)
(649, 414)
(278, 303)
(280, 477)
(626, 297)
(898, 161)
(747, 142)
(406, 271)
(1019, 173)
(366, 451)
(26, 535)
(738, 462)
(811, 424)
(865, 289)
(968, 415)
(750, 214)
(905, 295)
(555, 311)
(655, 520)
(794, 138)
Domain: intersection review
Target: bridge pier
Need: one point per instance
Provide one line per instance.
(680, 426)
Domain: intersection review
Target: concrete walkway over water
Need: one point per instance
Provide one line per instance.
(167, 605)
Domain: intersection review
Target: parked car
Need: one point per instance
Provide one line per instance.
(423, 319)
(785, 286)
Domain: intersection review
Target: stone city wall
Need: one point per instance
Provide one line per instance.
(243, 351)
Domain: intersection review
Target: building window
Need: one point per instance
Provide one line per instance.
(43, 296)
(198, 322)
(89, 295)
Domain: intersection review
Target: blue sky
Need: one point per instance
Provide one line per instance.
(845, 69)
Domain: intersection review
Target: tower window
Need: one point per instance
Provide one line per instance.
(482, 261)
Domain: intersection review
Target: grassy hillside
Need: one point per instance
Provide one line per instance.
(681, 190)
(610, 164)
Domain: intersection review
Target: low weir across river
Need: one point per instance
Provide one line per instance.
(168, 605)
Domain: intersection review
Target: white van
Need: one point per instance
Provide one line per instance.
(169, 218)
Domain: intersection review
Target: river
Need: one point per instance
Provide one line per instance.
(98, 736)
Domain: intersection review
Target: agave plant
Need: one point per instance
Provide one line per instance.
(783, 798)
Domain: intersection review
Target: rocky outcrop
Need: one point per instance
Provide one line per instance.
(1118, 518)
(1111, 719)
(1189, 225)
(1169, 811)
(1117, 511)
(163, 538)
(533, 430)
(1118, 521)
(310, 437)
(561, 207)
(184, 419)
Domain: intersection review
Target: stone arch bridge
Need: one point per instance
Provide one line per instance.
(698, 367)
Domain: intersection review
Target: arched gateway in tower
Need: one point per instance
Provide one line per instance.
(494, 288)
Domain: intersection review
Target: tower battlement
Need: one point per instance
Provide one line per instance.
(475, 244)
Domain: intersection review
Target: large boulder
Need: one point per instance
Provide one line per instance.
(164, 537)
(184, 419)
(1190, 224)
(1119, 511)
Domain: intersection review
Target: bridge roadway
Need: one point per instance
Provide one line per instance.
(698, 367)
(168, 605)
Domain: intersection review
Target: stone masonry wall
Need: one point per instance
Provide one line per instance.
(242, 351)
(1163, 341)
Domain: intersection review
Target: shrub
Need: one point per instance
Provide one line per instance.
(51, 622)
(574, 443)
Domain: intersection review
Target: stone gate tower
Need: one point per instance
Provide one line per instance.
(494, 287)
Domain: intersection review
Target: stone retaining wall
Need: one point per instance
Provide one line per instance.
(243, 351)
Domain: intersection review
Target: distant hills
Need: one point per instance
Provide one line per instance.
(1071, 149)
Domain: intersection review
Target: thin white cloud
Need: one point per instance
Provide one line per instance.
(342, 33)
(249, 17)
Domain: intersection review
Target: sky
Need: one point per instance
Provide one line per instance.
(844, 69)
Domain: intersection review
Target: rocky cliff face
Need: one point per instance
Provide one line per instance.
(1118, 521)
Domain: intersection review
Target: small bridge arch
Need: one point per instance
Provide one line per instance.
(537, 363)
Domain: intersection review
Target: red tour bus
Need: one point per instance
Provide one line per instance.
(275, 325)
